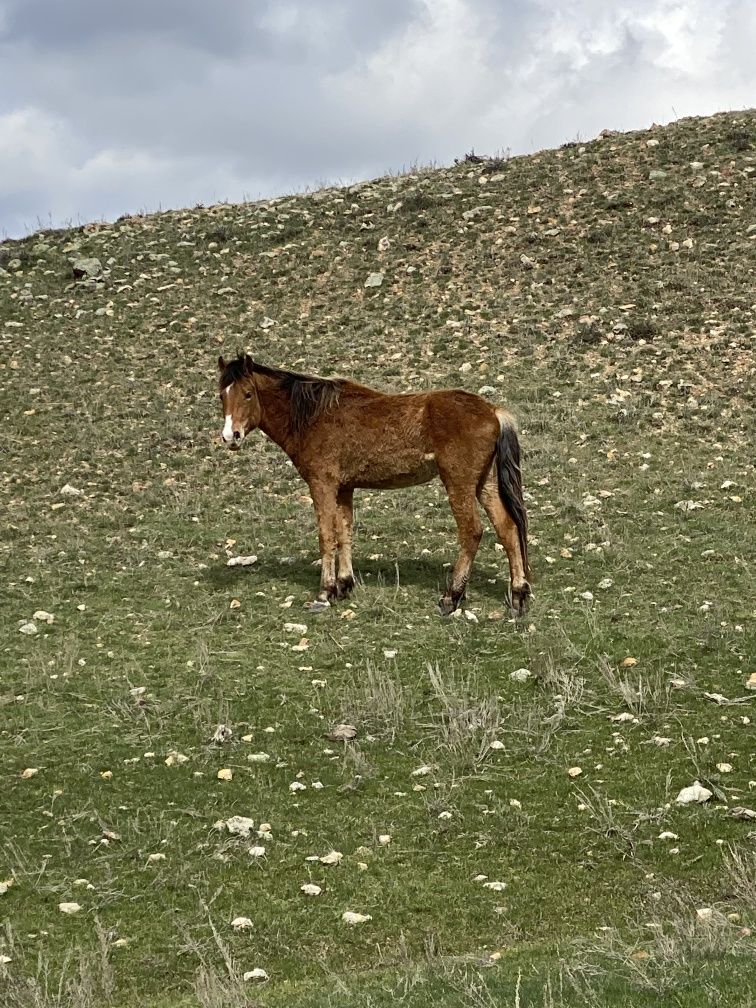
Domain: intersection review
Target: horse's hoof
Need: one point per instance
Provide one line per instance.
(344, 587)
(520, 600)
(446, 606)
(317, 605)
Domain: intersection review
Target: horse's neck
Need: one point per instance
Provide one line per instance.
(275, 414)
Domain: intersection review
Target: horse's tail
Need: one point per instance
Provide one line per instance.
(510, 481)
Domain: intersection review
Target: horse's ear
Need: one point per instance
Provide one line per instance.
(249, 364)
(221, 365)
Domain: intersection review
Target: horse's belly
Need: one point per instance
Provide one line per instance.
(393, 475)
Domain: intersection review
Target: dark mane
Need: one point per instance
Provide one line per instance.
(309, 396)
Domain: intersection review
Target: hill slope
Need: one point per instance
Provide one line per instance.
(605, 293)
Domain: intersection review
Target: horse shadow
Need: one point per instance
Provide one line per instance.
(428, 576)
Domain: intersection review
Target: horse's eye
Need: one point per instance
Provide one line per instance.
(247, 395)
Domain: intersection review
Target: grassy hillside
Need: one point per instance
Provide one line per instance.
(536, 855)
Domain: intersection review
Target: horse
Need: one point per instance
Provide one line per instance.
(342, 436)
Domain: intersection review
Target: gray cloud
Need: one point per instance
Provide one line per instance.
(110, 108)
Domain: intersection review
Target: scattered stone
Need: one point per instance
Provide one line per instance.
(349, 917)
(257, 973)
(696, 793)
(297, 628)
(342, 733)
(241, 561)
(310, 889)
(241, 923)
(69, 908)
(239, 825)
(741, 812)
(374, 280)
(520, 675)
(86, 268)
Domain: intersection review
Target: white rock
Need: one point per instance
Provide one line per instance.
(258, 757)
(257, 851)
(695, 793)
(349, 917)
(724, 767)
(497, 744)
(520, 675)
(241, 561)
(28, 628)
(739, 812)
(256, 974)
(623, 717)
(43, 617)
(225, 774)
(667, 835)
(574, 771)
(333, 857)
(605, 583)
(705, 913)
(297, 628)
(374, 280)
(240, 825)
(241, 923)
(297, 786)
(69, 908)
(422, 771)
(495, 886)
(310, 889)
(384, 839)
(4, 960)
(152, 858)
(70, 491)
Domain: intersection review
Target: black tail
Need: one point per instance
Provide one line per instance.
(510, 485)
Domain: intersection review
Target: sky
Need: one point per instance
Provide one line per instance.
(110, 107)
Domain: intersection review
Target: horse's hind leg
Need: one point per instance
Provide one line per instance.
(344, 516)
(470, 530)
(506, 531)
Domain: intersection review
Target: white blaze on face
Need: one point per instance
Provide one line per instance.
(228, 426)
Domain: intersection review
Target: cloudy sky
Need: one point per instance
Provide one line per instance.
(115, 106)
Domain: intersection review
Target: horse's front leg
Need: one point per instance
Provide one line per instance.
(326, 513)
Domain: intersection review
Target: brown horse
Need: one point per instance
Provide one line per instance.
(342, 436)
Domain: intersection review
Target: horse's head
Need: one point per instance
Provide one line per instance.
(239, 399)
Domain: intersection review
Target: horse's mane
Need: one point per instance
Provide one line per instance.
(309, 396)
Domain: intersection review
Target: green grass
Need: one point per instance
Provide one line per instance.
(629, 364)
